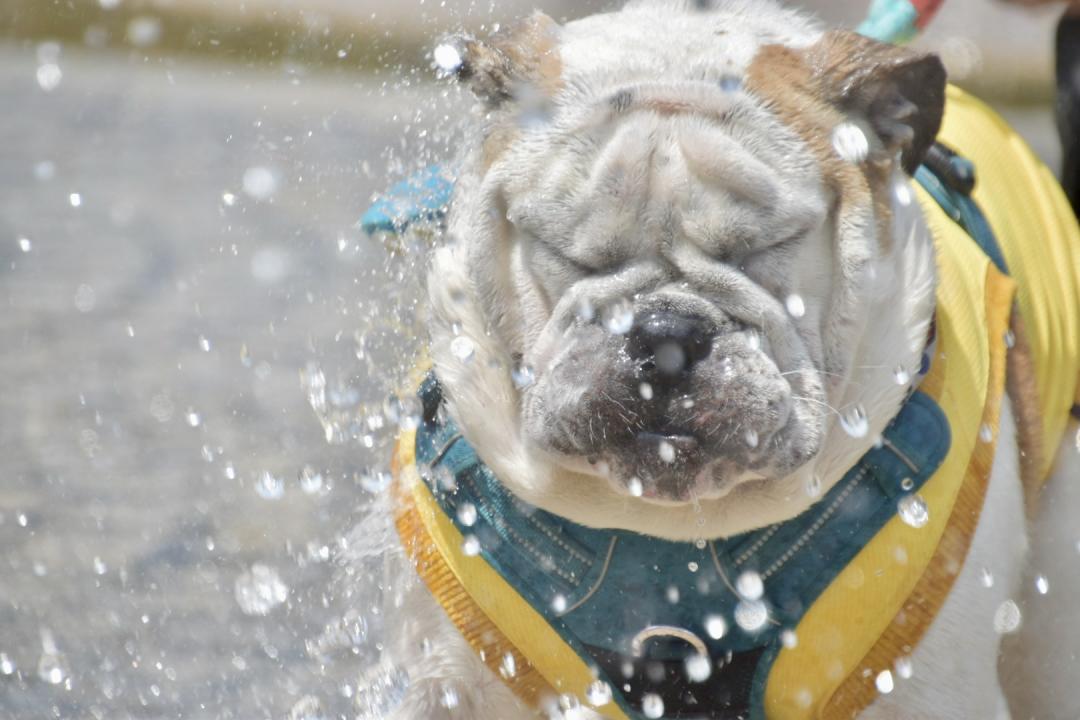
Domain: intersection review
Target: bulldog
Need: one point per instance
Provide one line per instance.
(688, 300)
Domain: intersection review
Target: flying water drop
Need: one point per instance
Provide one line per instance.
(913, 511)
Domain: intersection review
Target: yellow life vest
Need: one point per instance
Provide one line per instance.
(879, 605)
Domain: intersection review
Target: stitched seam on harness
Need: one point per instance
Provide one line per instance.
(812, 530)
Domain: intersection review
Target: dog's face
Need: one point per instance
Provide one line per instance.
(673, 220)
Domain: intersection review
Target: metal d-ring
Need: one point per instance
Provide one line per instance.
(637, 645)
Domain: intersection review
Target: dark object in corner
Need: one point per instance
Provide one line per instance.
(1068, 104)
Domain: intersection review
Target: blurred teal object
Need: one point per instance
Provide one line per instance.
(891, 21)
(423, 196)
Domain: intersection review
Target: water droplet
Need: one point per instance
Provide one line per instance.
(986, 578)
(270, 486)
(672, 594)
(508, 666)
(698, 668)
(634, 487)
(913, 510)
(449, 699)
(813, 486)
(558, 603)
(228, 199)
(109, 4)
(884, 682)
(192, 418)
(85, 298)
(715, 626)
(1042, 584)
(730, 83)
(374, 481)
(751, 615)
(380, 692)
(646, 391)
(204, 343)
(854, 421)
(447, 58)
(750, 585)
(144, 31)
(1007, 618)
(907, 484)
(260, 590)
(260, 183)
(667, 452)
(598, 693)
(466, 514)
(463, 348)
(1010, 339)
(99, 566)
(75, 200)
(523, 376)
(619, 317)
(652, 705)
(751, 438)
(50, 668)
(229, 471)
(902, 191)
(692, 566)
(409, 413)
(670, 358)
(901, 375)
(585, 311)
(470, 545)
(44, 170)
(986, 433)
(903, 668)
(49, 76)
(307, 708)
(795, 306)
(850, 143)
(7, 667)
(789, 639)
(311, 480)
(25, 245)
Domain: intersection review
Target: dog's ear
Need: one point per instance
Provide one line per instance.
(900, 93)
(523, 55)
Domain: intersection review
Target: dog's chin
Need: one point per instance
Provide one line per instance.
(665, 470)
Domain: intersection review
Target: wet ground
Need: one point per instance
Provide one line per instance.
(179, 278)
(176, 247)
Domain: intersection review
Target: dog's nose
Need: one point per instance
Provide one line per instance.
(668, 344)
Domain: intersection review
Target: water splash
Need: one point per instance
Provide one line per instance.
(260, 590)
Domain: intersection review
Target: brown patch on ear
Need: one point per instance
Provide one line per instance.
(1024, 393)
(900, 92)
(527, 53)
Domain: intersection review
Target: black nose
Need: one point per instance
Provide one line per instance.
(668, 344)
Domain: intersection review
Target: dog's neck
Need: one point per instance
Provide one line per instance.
(484, 402)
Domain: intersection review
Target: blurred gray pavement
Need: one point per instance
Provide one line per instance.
(176, 249)
(154, 337)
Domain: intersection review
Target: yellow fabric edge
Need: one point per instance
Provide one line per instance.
(523, 627)
(929, 594)
(846, 620)
(1040, 239)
